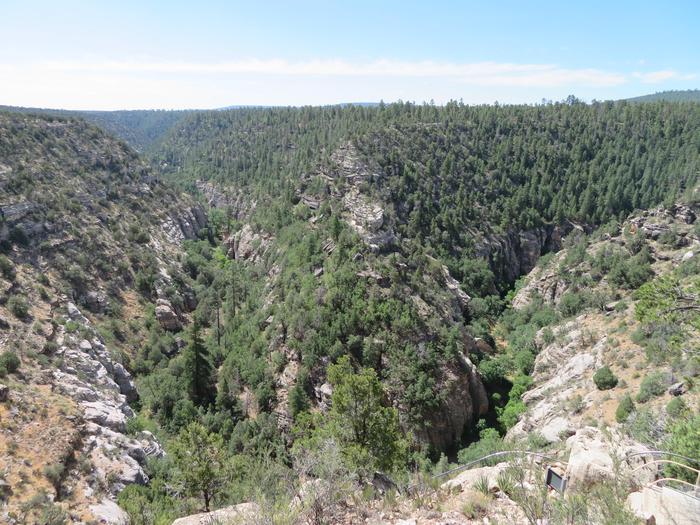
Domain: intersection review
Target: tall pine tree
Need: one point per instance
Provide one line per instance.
(199, 372)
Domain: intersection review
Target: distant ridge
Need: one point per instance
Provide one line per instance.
(141, 129)
(689, 95)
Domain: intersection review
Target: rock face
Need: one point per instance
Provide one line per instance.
(665, 506)
(185, 224)
(547, 283)
(242, 513)
(591, 459)
(465, 400)
(367, 219)
(166, 316)
(347, 173)
(110, 513)
(561, 369)
(516, 253)
(248, 245)
(102, 387)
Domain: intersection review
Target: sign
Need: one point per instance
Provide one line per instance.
(555, 481)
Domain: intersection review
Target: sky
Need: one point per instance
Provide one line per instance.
(174, 54)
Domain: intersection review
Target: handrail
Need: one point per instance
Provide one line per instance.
(657, 481)
(661, 452)
(669, 461)
(492, 455)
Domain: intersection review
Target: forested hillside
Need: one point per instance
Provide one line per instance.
(141, 129)
(390, 236)
(688, 95)
(347, 307)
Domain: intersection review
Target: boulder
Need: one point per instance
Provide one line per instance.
(665, 506)
(105, 415)
(95, 301)
(241, 513)
(677, 389)
(4, 392)
(593, 457)
(108, 512)
(167, 317)
(468, 478)
(589, 461)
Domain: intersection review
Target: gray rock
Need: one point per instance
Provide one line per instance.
(125, 382)
(677, 389)
(105, 415)
(167, 317)
(95, 301)
(108, 512)
(248, 245)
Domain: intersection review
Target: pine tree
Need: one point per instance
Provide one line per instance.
(199, 373)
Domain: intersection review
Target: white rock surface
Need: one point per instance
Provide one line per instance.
(101, 387)
(109, 513)
(241, 514)
(595, 457)
(665, 506)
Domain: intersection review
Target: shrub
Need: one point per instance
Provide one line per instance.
(54, 473)
(6, 267)
(604, 379)
(653, 385)
(684, 440)
(17, 304)
(9, 362)
(676, 408)
(572, 303)
(624, 409)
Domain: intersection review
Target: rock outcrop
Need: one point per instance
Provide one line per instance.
(184, 224)
(517, 252)
(101, 387)
(166, 316)
(236, 514)
(248, 245)
(562, 369)
(464, 401)
(594, 457)
(665, 506)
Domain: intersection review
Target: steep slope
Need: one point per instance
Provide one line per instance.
(627, 298)
(88, 236)
(470, 182)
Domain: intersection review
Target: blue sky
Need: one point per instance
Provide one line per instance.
(176, 54)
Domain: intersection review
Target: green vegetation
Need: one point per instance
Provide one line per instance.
(604, 378)
(684, 439)
(9, 363)
(653, 385)
(688, 95)
(624, 409)
(200, 461)
(234, 395)
(368, 432)
(18, 305)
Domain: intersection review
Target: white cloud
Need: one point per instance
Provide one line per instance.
(655, 77)
(477, 73)
(176, 84)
